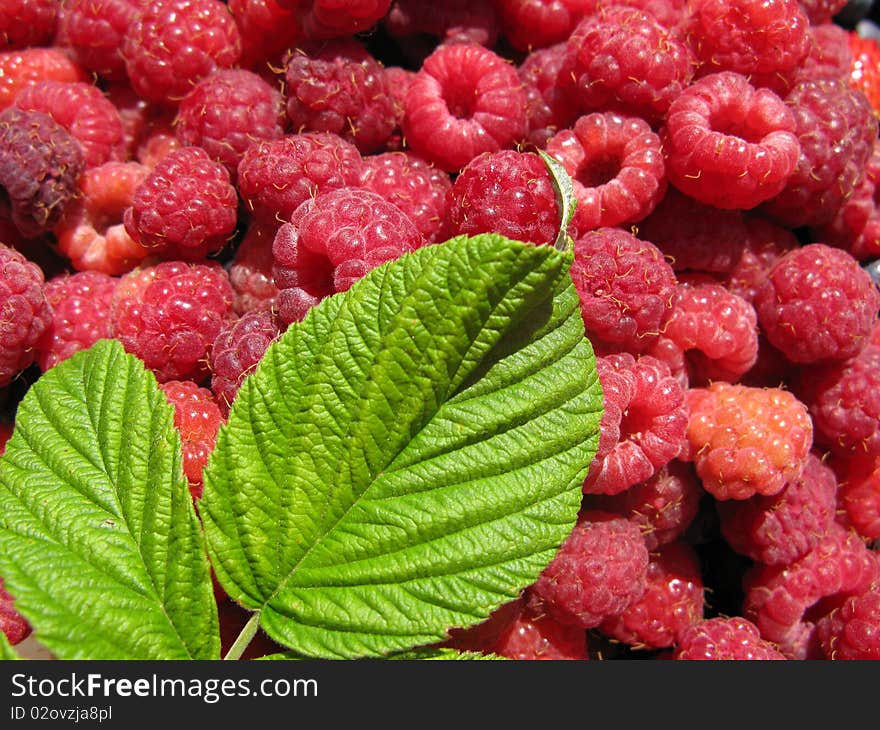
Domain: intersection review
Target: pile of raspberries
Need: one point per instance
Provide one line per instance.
(190, 177)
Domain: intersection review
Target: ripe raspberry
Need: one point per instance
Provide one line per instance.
(5, 434)
(331, 242)
(784, 601)
(465, 100)
(40, 163)
(764, 244)
(822, 11)
(338, 87)
(530, 24)
(600, 569)
(250, 271)
(672, 602)
(859, 497)
(186, 208)
(643, 425)
(817, 304)
(12, 623)
(83, 111)
(624, 60)
(551, 104)
(24, 312)
(663, 506)
(323, 19)
(30, 65)
(617, 169)
(836, 129)
(397, 82)
(416, 187)
(237, 351)
(865, 67)
(169, 315)
(27, 22)
(626, 287)
(267, 30)
(450, 21)
(724, 639)
(852, 632)
(728, 144)
(156, 140)
(175, 43)
(782, 528)
(91, 233)
(745, 440)
(535, 638)
(80, 315)
(481, 637)
(227, 111)
(275, 176)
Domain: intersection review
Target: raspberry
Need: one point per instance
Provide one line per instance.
(624, 60)
(228, 110)
(821, 11)
(626, 288)
(782, 528)
(169, 315)
(745, 440)
(250, 271)
(724, 639)
(530, 24)
(716, 329)
(836, 130)
(91, 233)
(672, 602)
(24, 312)
(275, 176)
(83, 111)
(197, 418)
(506, 192)
(785, 601)
(27, 22)
(12, 623)
(643, 425)
(765, 243)
(817, 304)
(267, 30)
(663, 506)
(80, 315)
(859, 497)
(338, 87)
(617, 168)
(749, 36)
(186, 208)
(331, 242)
(175, 43)
(864, 73)
(40, 163)
(5, 434)
(600, 569)
(416, 187)
(156, 140)
(30, 65)
(533, 638)
(550, 99)
(728, 144)
(450, 21)
(397, 82)
(465, 100)
(852, 632)
(481, 637)
(323, 19)
(238, 349)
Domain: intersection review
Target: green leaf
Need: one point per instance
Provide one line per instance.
(411, 455)
(445, 654)
(6, 650)
(565, 199)
(99, 540)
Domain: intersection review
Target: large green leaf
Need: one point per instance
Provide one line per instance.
(99, 540)
(411, 455)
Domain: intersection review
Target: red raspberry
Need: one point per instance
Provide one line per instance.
(169, 315)
(724, 639)
(600, 569)
(836, 129)
(12, 623)
(83, 111)
(80, 315)
(535, 638)
(175, 43)
(817, 304)
(91, 233)
(30, 65)
(227, 111)
(267, 29)
(24, 312)
(449, 21)
(338, 87)
(323, 19)
(782, 528)
(5, 434)
(624, 60)
(765, 243)
(784, 601)
(397, 82)
(859, 497)
(728, 144)
(626, 287)
(672, 602)
(275, 176)
(250, 271)
(852, 632)
(416, 187)
(465, 100)
(745, 440)
(157, 140)
(643, 425)
(186, 208)
(864, 73)
(27, 22)
(551, 104)
(237, 351)
(822, 11)
(481, 637)
(331, 242)
(530, 24)
(617, 169)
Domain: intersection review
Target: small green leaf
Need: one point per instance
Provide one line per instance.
(565, 199)
(411, 455)
(99, 540)
(6, 650)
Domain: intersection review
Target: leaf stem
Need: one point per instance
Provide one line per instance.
(244, 638)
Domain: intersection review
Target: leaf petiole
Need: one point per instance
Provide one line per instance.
(244, 638)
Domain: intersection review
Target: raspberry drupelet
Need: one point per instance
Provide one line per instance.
(532, 637)
(725, 639)
(31, 65)
(852, 631)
